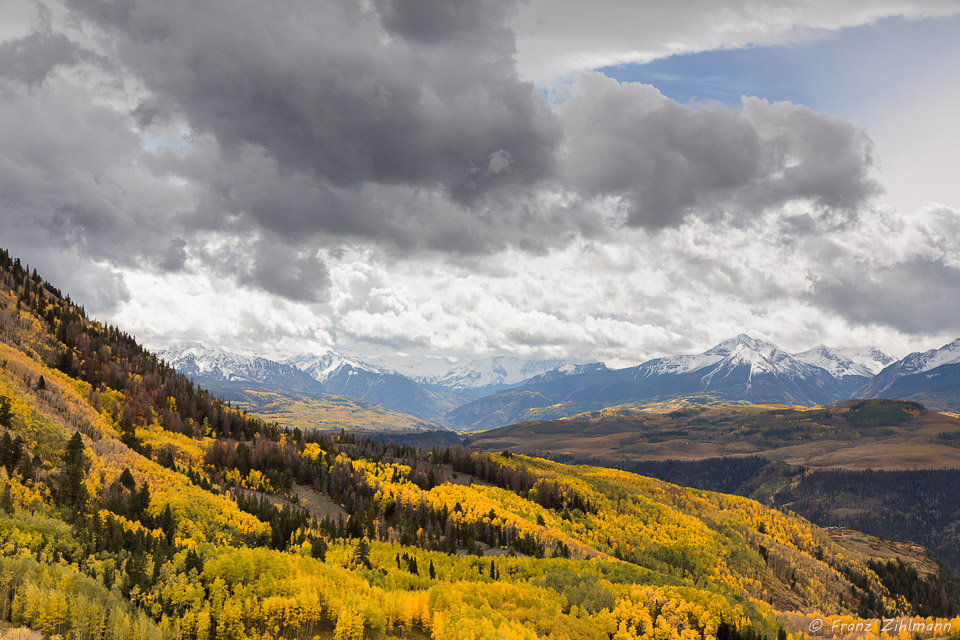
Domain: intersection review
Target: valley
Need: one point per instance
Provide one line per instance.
(139, 504)
(881, 435)
(888, 468)
(325, 412)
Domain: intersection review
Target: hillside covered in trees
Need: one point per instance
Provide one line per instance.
(884, 467)
(135, 505)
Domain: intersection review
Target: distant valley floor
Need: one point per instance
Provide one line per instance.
(887, 468)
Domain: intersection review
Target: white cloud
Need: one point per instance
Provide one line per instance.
(761, 221)
(556, 38)
(175, 307)
(644, 295)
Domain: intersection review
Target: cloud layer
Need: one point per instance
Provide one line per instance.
(560, 37)
(387, 166)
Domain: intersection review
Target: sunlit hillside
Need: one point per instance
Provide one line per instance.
(301, 411)
(135, 505)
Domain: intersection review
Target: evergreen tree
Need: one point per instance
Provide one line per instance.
(6, 414)
(27, 468)
(6, 501)
(126, 480)
(361, 554)
(193, 561)
(71, 487)
(139, 502)
(12, 452)
(167, 524)
(318, 549)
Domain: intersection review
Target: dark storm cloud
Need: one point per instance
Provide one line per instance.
(31, 58)
(62, 174)
(72, 201)
(293, 275)
(249, 191)
(406, 123)
(918, 296)
(668, 160)
(401, 122)
(810, 155)
(175, 257)
(319, 87)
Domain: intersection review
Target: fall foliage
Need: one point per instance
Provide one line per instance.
(135, 505)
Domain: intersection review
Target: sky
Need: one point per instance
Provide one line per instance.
(606, 181)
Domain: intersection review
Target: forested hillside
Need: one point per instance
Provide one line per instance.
(135, 505)
(890, 468)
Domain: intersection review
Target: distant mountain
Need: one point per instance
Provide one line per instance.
(495, 371)
(330, 365)
(345, 376)
(330, 373)
(742, 368)
(217, 367)
(931, 377)
(568, 370)
(428, 388)
(495, 391)
(842, 363)
(473, 377)
(852, 367)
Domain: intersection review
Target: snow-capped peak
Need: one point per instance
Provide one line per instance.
(849, 361)
(193, 358)
(744, 344)
(498, 370)
(321, 366)
(759, 355)
(469, 373)
(920, 362)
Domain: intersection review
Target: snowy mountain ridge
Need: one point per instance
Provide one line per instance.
(765, 357)
(465, 374)
(321, 367)
(194, 358)
(920, 362)
(851, 361)
(476, 373)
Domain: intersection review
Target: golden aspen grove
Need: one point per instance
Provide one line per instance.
(133, 504)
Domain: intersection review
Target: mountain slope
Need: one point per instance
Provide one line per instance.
(134, 505)
(326, 412)
(852, 367)
(880, 466)
(341, 376)
(740, 369)
(931, 377)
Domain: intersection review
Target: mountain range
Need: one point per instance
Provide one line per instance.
(427, 388)
(496, 391)
(931, 378)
